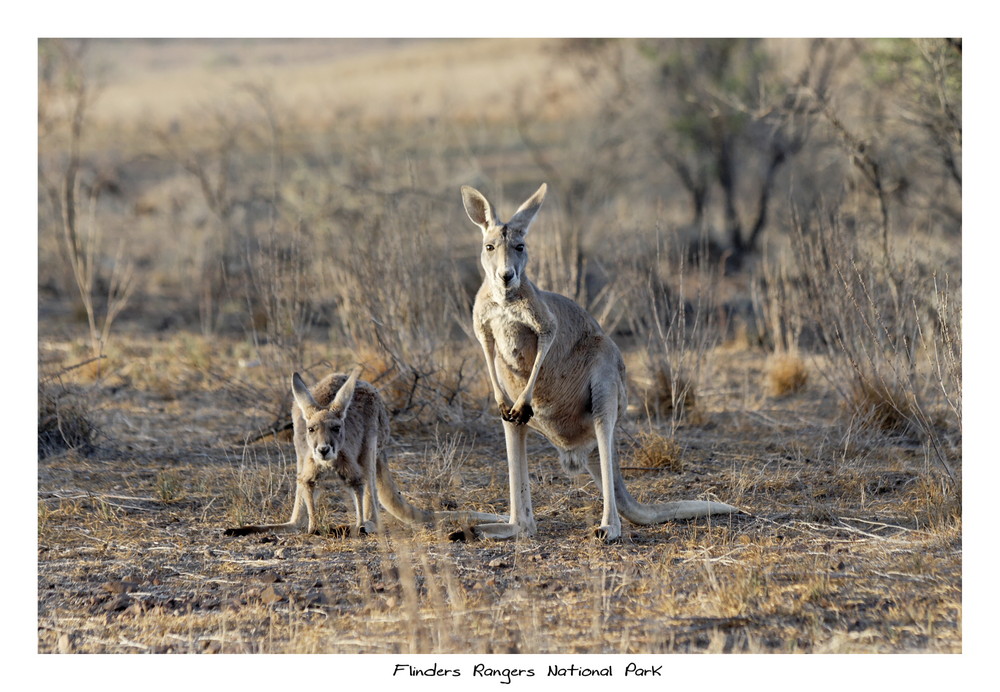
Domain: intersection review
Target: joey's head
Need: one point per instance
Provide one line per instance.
(325, 425)
(505, 254)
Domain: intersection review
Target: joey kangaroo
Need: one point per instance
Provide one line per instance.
(553, 369)
(342, 425)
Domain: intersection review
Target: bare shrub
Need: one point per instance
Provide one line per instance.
(65, 419)
(672, 311)
(261, 487)
(664, 393)
(396, 292)
(103, 282)
(887, 327)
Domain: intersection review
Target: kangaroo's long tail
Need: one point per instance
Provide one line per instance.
(657, 513)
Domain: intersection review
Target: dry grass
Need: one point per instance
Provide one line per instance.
(786, 375)
(879, 405)
(655, 451)
(838, 555)
(65, 419)
(663, 394)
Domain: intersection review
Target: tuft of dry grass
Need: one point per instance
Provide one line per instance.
(786, 375)
(655, 451)
(878, 405)
(65, 420)
(665, 393)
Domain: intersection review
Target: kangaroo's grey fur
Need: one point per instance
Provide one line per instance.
(553, 369)
(342, 426)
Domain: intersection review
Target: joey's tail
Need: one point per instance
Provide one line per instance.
(657, 513)
(393, 500)
(399, 507)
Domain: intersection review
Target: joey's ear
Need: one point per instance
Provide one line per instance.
(346, 393)
(526, 212)
(478, 208)
(303, 397)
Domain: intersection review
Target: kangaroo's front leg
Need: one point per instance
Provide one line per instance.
(489, 350)
(307, 488)
(361, 527)
(303, 467)
(521, 412)
(369, 521)
(298, 516)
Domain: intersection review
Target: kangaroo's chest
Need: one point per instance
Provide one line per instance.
(515, 345)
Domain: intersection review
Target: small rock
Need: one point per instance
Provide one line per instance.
(269, 596)
(117, 603)
(212, 646)
(65, 644)
(119, 587)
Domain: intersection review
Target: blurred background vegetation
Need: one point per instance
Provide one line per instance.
(799, 197)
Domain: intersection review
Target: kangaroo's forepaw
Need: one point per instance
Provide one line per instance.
(519, 416)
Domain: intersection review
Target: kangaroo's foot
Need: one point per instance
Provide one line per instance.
(608, 534)
(352, 531)
(496, 531)
(466, 534)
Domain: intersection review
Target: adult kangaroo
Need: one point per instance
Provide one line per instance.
(552, 369)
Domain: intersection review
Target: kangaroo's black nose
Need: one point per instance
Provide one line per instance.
(323, 450)
(507, 276)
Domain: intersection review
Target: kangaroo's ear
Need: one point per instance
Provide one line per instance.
(526, 212)
(478, 208)
(346, 393)
(303, 397)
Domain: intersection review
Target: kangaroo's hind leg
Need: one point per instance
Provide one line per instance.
(604, 400)
(522, 516)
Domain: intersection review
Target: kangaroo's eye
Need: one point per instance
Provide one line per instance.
(520, 248)
(490, 248)
(312, 428)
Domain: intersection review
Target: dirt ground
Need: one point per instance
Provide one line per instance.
(839, 550)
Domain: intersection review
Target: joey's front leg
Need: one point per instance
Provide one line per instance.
(307, 487)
